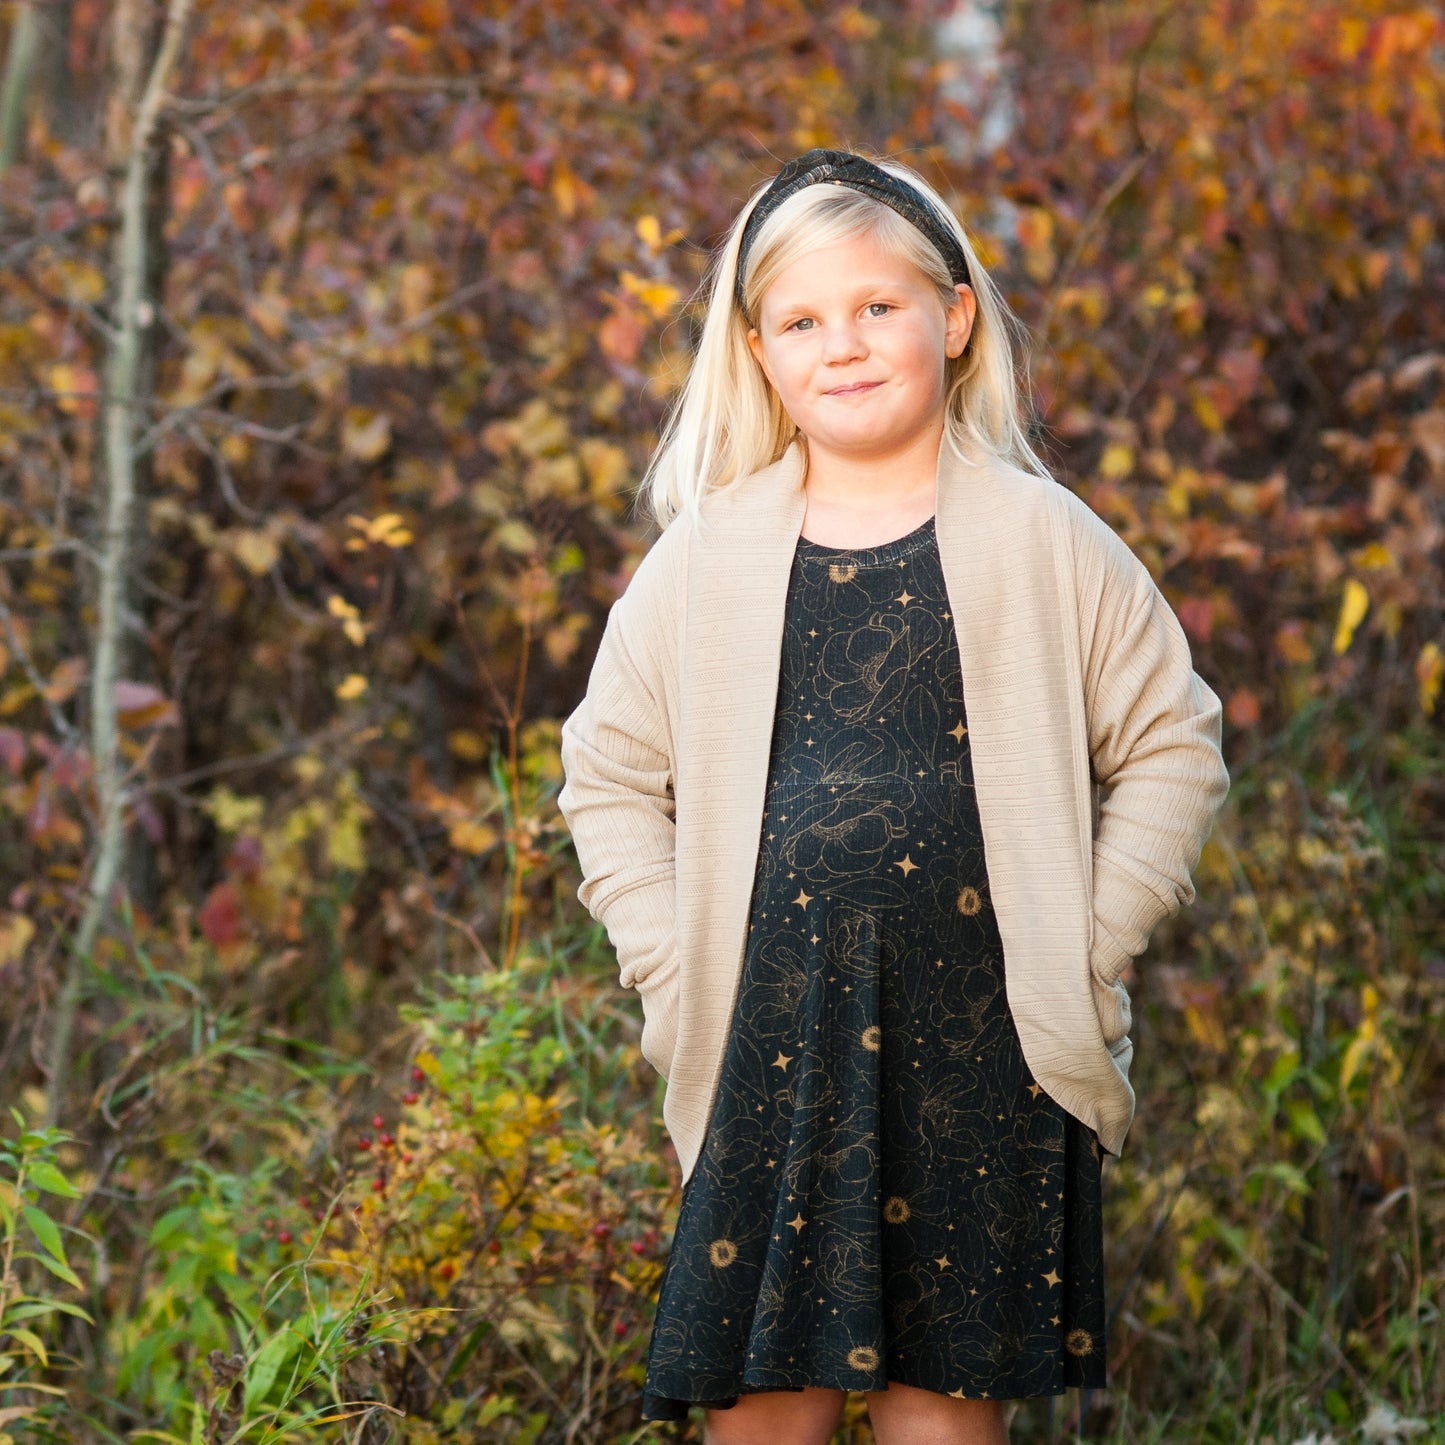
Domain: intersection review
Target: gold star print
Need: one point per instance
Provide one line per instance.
(782, 1061)
(814, 939)
(797, 1221)
(803, 899)
(958, 1393)
(906, 597)
(806, 1263)
(981, 1171)
(943, 1261)
(1052, 1278)
(907, 865)
(1035, 1090)
(957, 733)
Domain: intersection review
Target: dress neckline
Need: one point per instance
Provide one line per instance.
(884, 552)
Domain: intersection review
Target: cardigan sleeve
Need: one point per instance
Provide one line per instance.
(618, 803)
(1154, 747)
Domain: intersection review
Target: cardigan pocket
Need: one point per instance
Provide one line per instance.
(1115, 1013)
(658, 992)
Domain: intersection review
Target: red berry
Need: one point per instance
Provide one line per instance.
(377, 1122)
(410, 1097)
(619, 1328)
(284, 1237)
(601, 1231)
(637, 1246)
(495, 1247)
(378, 1184)
(319, 1215)
(419, 1075)
(447, 1269)
(364, 1142)
(406, 1158)
(387, 1140)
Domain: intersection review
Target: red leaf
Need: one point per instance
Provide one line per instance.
(220, 915)
(1242, 709)
(1197, 615)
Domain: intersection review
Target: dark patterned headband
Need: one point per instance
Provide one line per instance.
(843, 168)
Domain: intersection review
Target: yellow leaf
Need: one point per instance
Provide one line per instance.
(1117, 461)
(16, 931)
(649, 232)
(414, 287)
(469, 837)
(564, 191)
(1429, 673)
(365, 434)
(469, 746)
(1207, 412)
(1353, 606)
(1360, 1046)
(340, 607)
(1375, 557)
(256, 551)
(657, 296)
(354, 685)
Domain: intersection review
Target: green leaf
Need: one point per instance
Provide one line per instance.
(33, 1343)
(46, 1176)
(57, 1267)
(266, 1364)
(46, 1231)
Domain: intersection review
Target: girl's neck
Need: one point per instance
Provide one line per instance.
(855, 501)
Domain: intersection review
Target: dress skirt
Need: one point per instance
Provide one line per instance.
(883, 1192)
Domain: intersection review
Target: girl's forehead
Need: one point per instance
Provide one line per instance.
(858, 263)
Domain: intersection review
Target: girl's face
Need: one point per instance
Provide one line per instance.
(853, 340)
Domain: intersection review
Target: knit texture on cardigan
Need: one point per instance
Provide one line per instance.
(1096, 757)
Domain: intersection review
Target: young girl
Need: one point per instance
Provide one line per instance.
(892, 758)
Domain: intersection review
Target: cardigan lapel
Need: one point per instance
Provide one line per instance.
(738, 569)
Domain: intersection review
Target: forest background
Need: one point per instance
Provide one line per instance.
(334, 335)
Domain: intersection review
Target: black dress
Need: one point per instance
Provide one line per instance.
(884, 1192)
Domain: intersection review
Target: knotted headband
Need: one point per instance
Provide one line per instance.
(843, 168)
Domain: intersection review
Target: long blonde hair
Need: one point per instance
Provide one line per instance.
(727, 421)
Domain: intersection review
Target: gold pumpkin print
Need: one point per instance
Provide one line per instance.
(969, 902)
(895, 1209)
(863, 1357)
(722, 1252)
(872, 1038)
(842, 571)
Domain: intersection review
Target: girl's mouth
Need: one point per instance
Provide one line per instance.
(856, 389)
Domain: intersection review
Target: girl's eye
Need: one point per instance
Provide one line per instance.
(803, 323)
(879, 308)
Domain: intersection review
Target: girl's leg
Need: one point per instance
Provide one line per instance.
(777, 1417)
(906, 1415)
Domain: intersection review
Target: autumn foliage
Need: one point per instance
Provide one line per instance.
(419, 296)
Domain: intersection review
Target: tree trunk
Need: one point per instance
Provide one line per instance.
(134, 134)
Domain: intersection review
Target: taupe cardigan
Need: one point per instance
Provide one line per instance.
(1095, 748)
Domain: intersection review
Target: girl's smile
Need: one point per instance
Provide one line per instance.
(854, 338)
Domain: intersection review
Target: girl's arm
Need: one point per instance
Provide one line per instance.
(618, 803)
(1154, 735)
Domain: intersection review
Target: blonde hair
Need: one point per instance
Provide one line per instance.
(727, 421)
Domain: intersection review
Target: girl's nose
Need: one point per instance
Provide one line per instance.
(843, 342)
